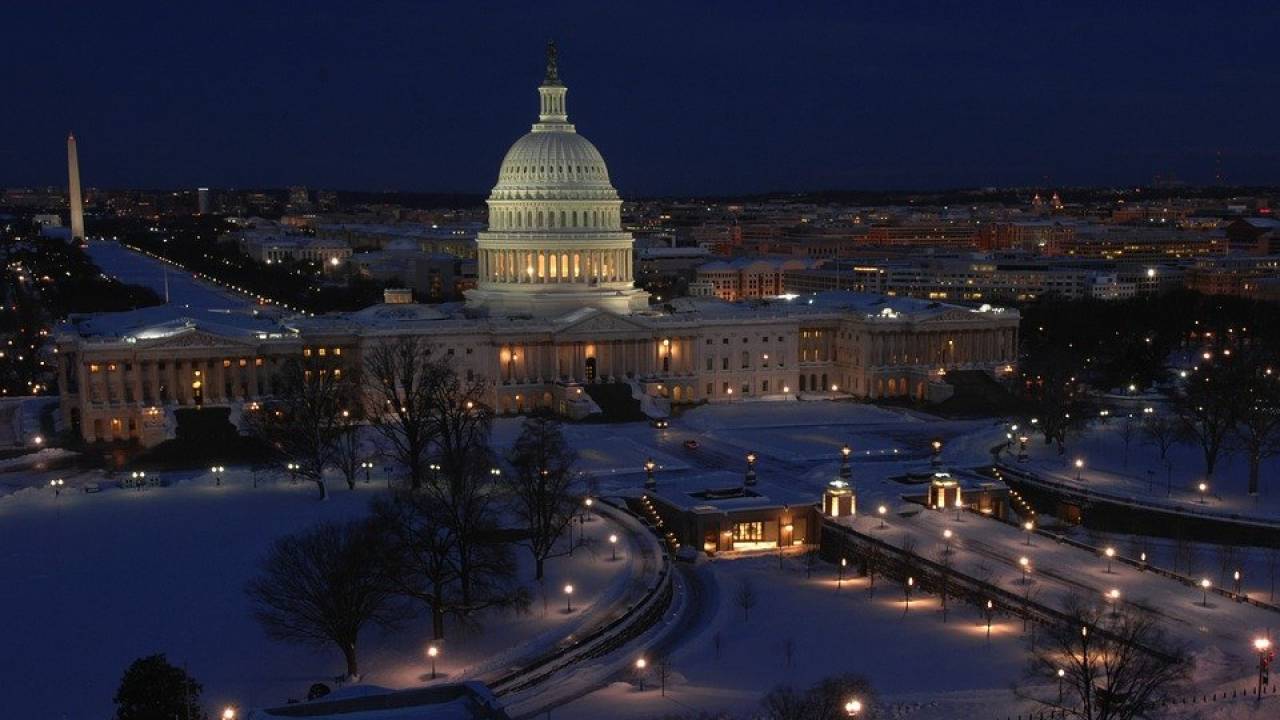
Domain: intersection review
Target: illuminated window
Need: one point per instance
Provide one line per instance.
(94, 368)
(257, 362)
(322, 352)
(337, 372)
(306, 352)
(111, 367)
(748, 531)
(226, 362)
(337, 351)
(244, 362)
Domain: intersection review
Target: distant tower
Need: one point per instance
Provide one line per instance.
(77, 205)
(202, 200)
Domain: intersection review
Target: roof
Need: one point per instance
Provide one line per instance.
(727, 493)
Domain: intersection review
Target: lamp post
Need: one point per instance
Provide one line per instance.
(1205, 584)
(641, 664)
(293, 472)
(139, 479)
(936, 459)
(1025, 564)
(846, 472)
(1030, 527)
(57, 486)
(844, 562)
(432, 652)
(228, 713)
(990, 610)
(649, 482)
(881, 511)
(1086, 674)
(217, 471)
(751, 468)
(1110, 552)
(586, 504)
(853, 707)
(568, 598)
(1061, 675)
(1079, 467)
(1203, 488)
(1022, 448)
(367, 466)
(613, 546)
(946, 541)
(959, 506)
(1236, 577)
(1113, 599)
(1262, 646)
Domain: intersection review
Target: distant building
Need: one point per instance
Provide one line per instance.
(204, 206)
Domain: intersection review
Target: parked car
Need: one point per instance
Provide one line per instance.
(690, 444)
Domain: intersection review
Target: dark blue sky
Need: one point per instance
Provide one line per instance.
(681, 97)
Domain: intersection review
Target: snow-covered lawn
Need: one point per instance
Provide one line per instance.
(1139, 472)
(91, 582)
(911, 657)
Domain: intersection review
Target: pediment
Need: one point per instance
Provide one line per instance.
(193, 338)
(597, 322)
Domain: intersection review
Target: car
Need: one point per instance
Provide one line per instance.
(660, 423)
(690, 444)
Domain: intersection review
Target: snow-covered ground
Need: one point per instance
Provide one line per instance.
(93, 581)
(163, 570)
(1140, 473)
(184, 289)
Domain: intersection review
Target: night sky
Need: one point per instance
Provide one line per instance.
(682, 97)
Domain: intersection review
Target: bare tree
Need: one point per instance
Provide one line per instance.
(1228, 557)
(663, 671)
(321, 586)
(399, 378)
(1128, 429)
(348, 447)
(302, 421)
(419, 559)
(542, 484)
(746, 597)
(1258, 419)
(1273, 568)
(1115, 665)
(1207, 409)
(824, 701)
(1163, 432)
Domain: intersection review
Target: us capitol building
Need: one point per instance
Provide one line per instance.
(554, 315)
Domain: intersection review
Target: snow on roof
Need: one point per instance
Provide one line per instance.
(721, 491)
(161, 321)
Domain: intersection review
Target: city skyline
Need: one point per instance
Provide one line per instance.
(400, 97)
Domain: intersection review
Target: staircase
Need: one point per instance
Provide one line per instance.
(615, 401)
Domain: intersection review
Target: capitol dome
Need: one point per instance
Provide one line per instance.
(555, 241)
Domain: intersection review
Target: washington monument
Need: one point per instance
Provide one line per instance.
(77, 205)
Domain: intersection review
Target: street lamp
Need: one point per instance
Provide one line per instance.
(613, 546)
(641, 664)
(368, 468)
(937, 452)
(1025, 564)
(1236, 576)
(946, 539)
(649, 482)
(1079, 467)
(1263, 646)
(1061, 675)
(432, 652)
(568, 598)
(293, 472)
(881, 511)
(57, 486)
(1030, 527)
(751, 468)
(1110, 552)
(139, 478)
(1203, 488)
(853, 707)
(1113, 599)
(990, 610)
(228, 713)
(587, 504)
(907, 590)
(1205, 584)
(846, 472)
(844, 562)
(217, 471)
(1022, 448)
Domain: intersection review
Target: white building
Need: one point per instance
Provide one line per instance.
(554, 314)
